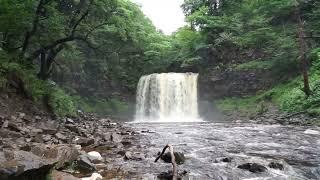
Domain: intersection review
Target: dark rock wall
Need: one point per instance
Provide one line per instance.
(218, 84)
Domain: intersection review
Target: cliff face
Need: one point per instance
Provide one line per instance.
(218, 84)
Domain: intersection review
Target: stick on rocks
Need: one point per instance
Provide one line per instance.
(173, 161)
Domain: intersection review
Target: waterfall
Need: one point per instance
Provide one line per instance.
(167, 97)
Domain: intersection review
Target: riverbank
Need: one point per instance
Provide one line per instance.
(35, 144)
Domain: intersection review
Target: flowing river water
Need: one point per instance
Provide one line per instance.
(172, 97)
(205, 144)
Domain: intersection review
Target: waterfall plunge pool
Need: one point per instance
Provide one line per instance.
(205, 143)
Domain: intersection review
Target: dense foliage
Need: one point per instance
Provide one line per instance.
(89, 54)
(280, 36)
(95, 49)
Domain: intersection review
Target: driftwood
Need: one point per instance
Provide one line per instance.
(173, 161)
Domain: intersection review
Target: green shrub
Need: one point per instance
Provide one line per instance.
(112, 106)
(289, 96)
(245, 106)
(256, 64)
(61, 103)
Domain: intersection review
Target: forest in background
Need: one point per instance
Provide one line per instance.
(69, 55)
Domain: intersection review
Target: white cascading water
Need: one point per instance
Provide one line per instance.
(167, 97)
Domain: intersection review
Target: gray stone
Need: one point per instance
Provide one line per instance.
(69, 121)
(84, 141)
(62, 154)
(179, 157)
(84, 164)
(60, 137)
(20, 165)
(276, 165)
(5, 124)
(253, 167)
(72, 128)
(116, 137)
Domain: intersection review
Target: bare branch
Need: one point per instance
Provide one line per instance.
(173, 161)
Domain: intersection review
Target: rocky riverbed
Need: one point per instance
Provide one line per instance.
(87, 147)
(37, 147)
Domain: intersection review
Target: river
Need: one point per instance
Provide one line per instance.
(204, 144)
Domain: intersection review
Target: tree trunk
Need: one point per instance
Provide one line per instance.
(46, 61)
(302, 53)
(43, 66)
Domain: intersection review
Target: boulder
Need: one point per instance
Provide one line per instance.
(253, 167)
(84, 164)
(179, 157)
(95, 157)
(276, 165)
(62, 154)
(22, 165)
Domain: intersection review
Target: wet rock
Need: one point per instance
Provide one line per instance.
(223, 159)
(84, 141)
(133, 156)
(253, 167)
(276, 165)
(148, 131)
(84, 164)
(95, 157)
(179, 157)
(116, 137)
(168, 175)
(126, 143)
(94, 176)
(226, 159)
(122, 153)
(22, 165)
